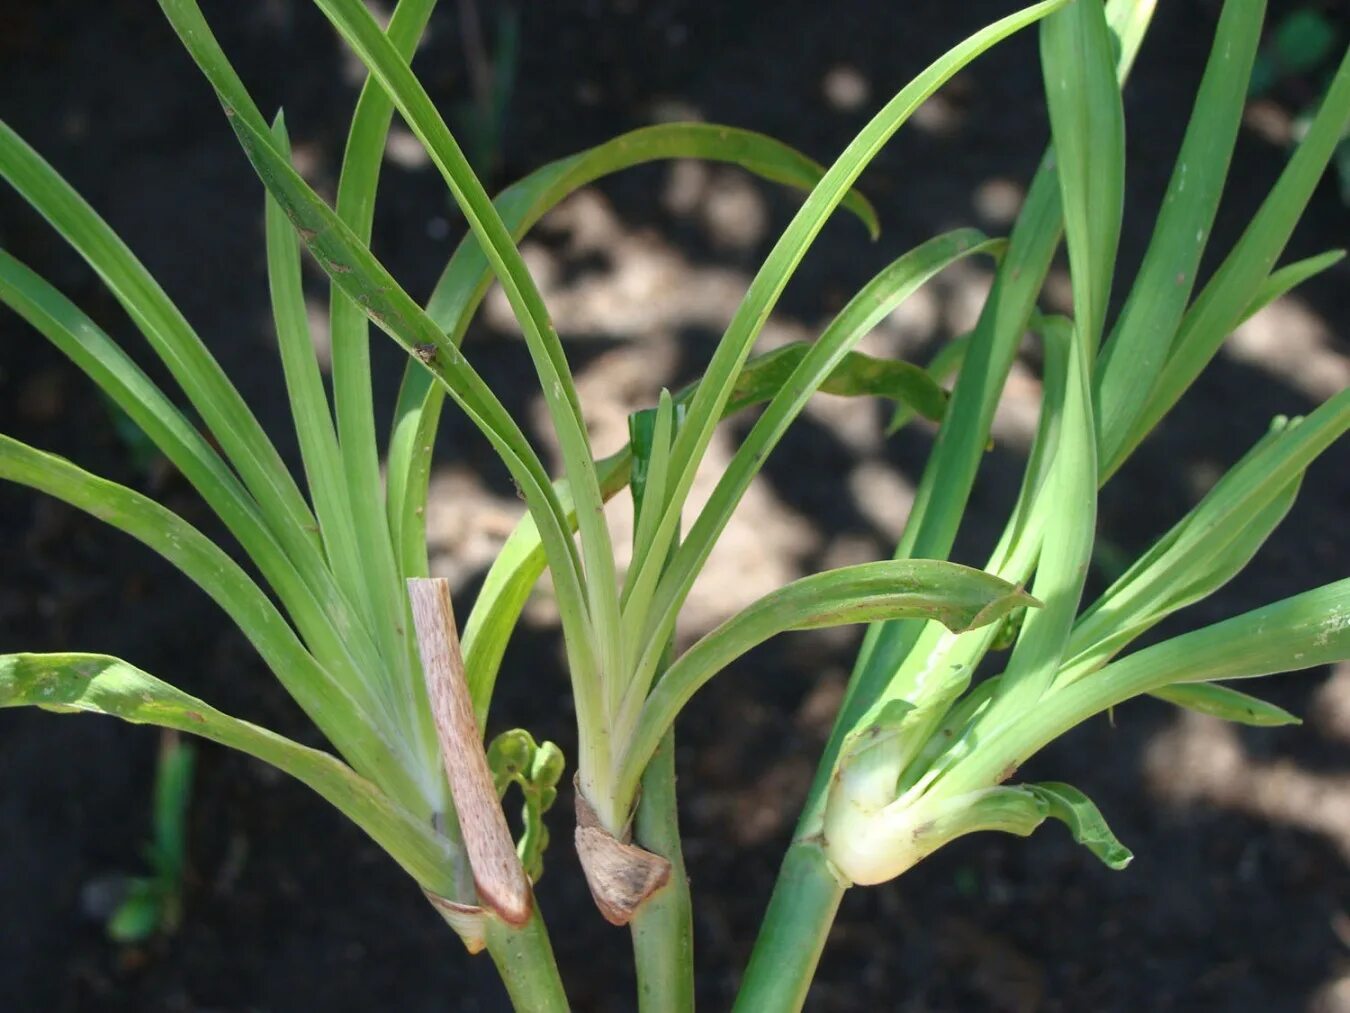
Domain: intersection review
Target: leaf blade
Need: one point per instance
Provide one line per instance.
(467, 276)
(353, 400)
(1227, 704)
(1225, 299)
(654, 594)
(104, 685)
(1138, 345)
(173, 340)
(769, 281)
(310, 597)
(346, 715)
(958, 596)
(1085, 821)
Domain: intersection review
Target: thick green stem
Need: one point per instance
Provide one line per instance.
(794, 931)
(524, 959)
(663, 928)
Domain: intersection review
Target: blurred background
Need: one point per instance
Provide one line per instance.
(1239, 897)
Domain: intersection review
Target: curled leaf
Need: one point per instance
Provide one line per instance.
(1085, 821)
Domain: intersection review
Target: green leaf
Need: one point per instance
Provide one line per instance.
(1212, 543)
(653, 594)
(313, 600)
(948, 477)
(957, 596)
(353, 393)
(467, 276)
(98, 684)
(352, 266)
(1225, 299)
(1087, 126)
(720, 377)
(650, 434)
(1060, 528)
(1228, 704)
(1139, 343)
(344, 712)
(600, 585)
(1304, 631)
(946, 364)
(1076, 811)
(1087, 123)
(173, 340)
(1288, 278)
(319, 451)
(911, 387)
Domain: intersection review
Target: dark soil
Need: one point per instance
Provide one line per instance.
(289, 908)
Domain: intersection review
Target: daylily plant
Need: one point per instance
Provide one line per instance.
(341, 606)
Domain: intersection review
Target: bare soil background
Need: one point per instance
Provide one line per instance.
(1238, 898)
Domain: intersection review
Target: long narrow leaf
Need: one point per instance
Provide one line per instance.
(197, 372)
(948, 477)
(1085, 821)
(97, 684)
(309, 403)
(354, 22)
(346, 718)
(945, 364)
(467, 276)
(957, 596)
(1225, 299)
(768, 284)
(654, 595)
(1087, 126)
(1087, 123)
(314, 602)
(353, 391)
(1212, 543)
(1226, 703)
(351, 265)
(1288, 278)
(1139, 343)
(1304, 631)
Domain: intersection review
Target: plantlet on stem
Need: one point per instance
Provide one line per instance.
(922, 752)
